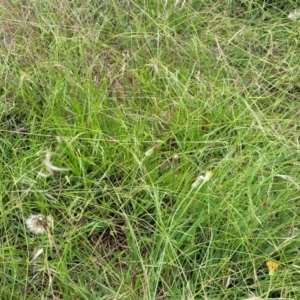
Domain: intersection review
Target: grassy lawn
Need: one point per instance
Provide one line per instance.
(113, 116)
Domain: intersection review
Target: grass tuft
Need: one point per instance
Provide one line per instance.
(113, 114)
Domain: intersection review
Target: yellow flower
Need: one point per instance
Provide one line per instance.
(208, 175)
(272, 266)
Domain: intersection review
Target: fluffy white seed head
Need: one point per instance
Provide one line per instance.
(39, 224)
(294, 15)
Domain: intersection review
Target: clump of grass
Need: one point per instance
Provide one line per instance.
(137, 101)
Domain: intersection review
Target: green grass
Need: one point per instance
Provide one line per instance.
(98, 84)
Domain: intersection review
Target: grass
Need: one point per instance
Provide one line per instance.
(137, 99)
